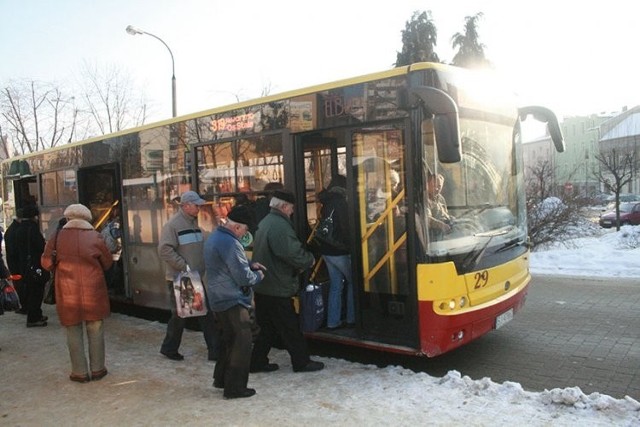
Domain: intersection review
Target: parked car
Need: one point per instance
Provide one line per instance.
(624, 197)
(600, 199)
(629, 215)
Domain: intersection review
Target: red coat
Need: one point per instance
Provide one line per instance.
(81, 289)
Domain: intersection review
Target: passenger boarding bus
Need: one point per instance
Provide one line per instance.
(418, 290)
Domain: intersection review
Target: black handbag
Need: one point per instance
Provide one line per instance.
(36, 275)
(50, 290)
(326, 234)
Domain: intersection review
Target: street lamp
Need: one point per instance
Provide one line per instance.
(133, 31)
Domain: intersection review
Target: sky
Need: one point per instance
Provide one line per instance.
(577, 59)
(144, 388)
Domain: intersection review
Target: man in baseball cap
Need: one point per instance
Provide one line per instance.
(181, 248)
(191, 197)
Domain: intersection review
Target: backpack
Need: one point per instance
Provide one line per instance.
(326, 233)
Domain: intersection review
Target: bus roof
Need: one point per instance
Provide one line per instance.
(248, 103)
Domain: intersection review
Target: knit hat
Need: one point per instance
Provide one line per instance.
(77, 211)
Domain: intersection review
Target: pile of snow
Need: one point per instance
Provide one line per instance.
(145, 388)
(602, 253)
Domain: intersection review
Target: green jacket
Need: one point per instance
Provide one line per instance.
(277, 247)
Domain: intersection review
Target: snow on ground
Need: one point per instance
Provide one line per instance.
(145, 389)
(600, 253)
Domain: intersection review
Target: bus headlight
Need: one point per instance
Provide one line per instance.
(456, 303)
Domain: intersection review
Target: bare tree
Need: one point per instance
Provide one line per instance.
(552, 216)
(109, 100)
(35, 116)
(616, 170)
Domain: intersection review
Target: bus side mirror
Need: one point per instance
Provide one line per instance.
(445, 121)
(547, 116)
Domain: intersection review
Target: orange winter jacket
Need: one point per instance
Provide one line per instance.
(82, 258)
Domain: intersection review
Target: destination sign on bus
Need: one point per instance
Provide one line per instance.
(233, 124)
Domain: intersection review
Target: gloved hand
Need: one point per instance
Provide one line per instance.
(187, 268)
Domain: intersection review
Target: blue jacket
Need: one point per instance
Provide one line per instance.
(229, 276)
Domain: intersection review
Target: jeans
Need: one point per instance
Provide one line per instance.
(339, 267)
(75, 343)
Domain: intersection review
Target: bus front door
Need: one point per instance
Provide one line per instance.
(387, 301)
(373, 162)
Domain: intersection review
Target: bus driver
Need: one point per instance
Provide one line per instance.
(439, 218)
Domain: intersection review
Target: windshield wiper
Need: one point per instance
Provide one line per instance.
(512, 244)
(479, 209)
(471, 261)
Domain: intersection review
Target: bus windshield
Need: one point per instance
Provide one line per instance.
(474, 204)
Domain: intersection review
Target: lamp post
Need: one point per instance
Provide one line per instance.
(133, 31)
(586, 174)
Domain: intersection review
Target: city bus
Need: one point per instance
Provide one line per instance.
(417, 291)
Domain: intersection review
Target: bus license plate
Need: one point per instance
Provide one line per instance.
(504, 318)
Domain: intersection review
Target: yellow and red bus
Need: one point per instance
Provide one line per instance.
(417, 291)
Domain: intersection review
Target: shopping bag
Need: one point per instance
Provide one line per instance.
(311, 307)
(8, 296)
(189, 293)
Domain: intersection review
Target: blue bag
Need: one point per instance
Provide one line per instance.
(311, 307)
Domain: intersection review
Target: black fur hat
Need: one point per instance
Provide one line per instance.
(30, 211)
(285, 195)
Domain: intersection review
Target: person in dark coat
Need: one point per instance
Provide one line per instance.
(338, 259)
(24, 246)
(278, 248)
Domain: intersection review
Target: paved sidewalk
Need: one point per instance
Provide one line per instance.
(571, 332)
